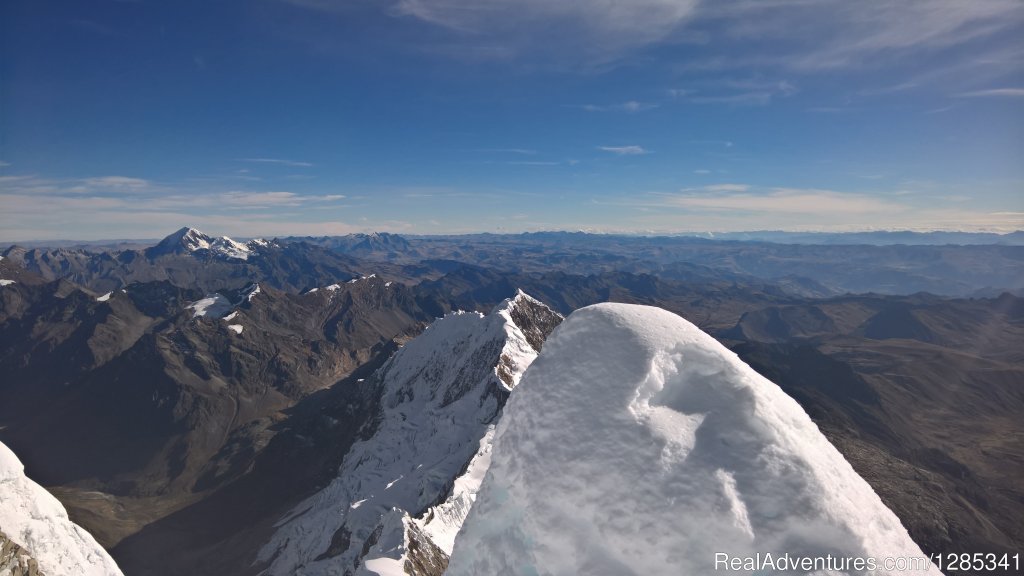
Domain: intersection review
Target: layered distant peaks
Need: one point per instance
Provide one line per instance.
(189, 240)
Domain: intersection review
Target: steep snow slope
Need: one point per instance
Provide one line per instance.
(36, 522)
(637, 444)
(407, 481)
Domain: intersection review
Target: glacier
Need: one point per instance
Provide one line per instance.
(33, 520)
(637, 444)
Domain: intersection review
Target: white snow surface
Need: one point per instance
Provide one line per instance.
(229, 248)
(194, 240)
(32, 518)
(252, 292)
(440, 398)
(236, 328)
(6, 282)
(105, 297)
(637, 444)
(213, 305)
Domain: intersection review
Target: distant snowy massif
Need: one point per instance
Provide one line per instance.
(637, 444)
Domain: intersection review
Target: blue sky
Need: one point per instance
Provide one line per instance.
(130, 119)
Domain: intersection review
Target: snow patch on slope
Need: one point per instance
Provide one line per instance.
(33, 519)
(637, 444)
(6, 282)
(440, 394)
(212, 305)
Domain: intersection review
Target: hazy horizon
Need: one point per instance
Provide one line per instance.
(709, 234)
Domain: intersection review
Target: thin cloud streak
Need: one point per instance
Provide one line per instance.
(993, 93)
(625, 150)
(629, 107)
(279, 161)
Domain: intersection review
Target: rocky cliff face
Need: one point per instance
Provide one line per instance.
(15, 560)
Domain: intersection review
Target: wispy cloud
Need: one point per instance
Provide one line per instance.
(795, 35)
(725, 143)
(599, 32)
(625, 150)
(725, 188)
(629, 107)
(830, 109)
(279, 161)
(4, 164)
(846, 34)
(523, 151)
(741, 92)
(737, 207)
(533, 163)
(116, 183)
(780, 200)
(993, 93)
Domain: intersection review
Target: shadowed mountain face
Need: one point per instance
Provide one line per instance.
(170, 405)
(104, 398)
(922, 395)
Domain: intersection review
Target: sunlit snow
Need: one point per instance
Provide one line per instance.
(440, 395)
(212, 305)
(637, 444)
(32, 518)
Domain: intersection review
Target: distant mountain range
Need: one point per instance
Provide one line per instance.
(190, 258)
(187, 405)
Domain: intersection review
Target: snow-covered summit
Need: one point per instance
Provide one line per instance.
(189, 240)
(637, 444)
(401, 493)
(36, 523)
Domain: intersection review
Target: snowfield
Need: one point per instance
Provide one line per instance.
(637, 444)
(440, 394)
(33, 519)
(213, 305)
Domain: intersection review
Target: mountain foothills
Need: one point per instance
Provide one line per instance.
(329, 405)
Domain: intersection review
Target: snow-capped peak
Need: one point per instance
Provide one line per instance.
(186, 240)
(228, 248)
(439, 397)
(37, 524)
(637, 444)
(189, 240)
